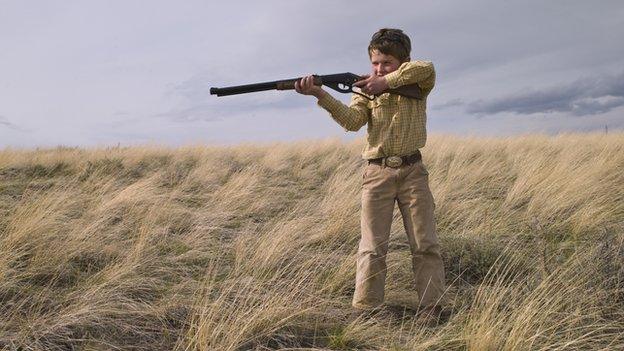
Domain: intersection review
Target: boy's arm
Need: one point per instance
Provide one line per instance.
(413, 72)
(351, 117)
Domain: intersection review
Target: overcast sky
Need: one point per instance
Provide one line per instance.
(95, 73)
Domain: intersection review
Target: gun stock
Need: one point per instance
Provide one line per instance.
(411, 91)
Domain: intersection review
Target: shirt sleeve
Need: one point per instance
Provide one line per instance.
(351, 117)
(413, 72)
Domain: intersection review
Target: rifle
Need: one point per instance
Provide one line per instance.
(341, 82)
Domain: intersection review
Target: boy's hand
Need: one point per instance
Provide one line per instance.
(306, 86)
(372, 84)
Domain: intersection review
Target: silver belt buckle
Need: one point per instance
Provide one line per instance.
(394, 161)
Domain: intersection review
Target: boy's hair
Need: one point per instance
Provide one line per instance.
(393, 42)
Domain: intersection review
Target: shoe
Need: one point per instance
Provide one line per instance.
(399, 311)
(433, 315)
(434, 311)
(363, 314)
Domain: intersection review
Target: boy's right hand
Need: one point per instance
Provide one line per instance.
(306, 86)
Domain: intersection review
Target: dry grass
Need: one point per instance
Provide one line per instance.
(247, 247)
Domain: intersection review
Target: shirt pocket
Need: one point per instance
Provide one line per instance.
(381, 101)
(381, 110)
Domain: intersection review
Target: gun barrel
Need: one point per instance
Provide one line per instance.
(242, 89)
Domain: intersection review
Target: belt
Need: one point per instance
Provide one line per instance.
(397, 161)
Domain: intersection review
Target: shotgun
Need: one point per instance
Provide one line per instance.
(340, 82)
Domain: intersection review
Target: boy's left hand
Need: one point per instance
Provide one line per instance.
(372, 84)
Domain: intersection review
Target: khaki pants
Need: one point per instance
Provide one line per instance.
(409, 187)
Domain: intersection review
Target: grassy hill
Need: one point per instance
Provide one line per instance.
(253, 247)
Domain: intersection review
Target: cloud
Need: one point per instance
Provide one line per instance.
(583, 97)
(216, 109)
(448, 104)
(6, 123)
(92, 71)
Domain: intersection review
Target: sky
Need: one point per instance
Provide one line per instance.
(101, 73)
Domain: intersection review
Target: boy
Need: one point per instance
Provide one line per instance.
(396, 132)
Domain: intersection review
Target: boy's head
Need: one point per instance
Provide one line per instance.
(391, 42)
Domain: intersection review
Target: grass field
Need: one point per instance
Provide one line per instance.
(253, 247)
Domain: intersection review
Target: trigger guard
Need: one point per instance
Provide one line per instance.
(339, 89)
(348, 89)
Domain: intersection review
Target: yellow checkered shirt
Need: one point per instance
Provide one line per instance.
(396, 124)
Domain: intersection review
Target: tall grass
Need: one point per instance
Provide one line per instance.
(253, 247)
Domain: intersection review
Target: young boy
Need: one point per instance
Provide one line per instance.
(395, 172)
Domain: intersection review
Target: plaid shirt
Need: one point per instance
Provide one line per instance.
(396, 124)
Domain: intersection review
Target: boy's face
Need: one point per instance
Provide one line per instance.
(383, 64)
